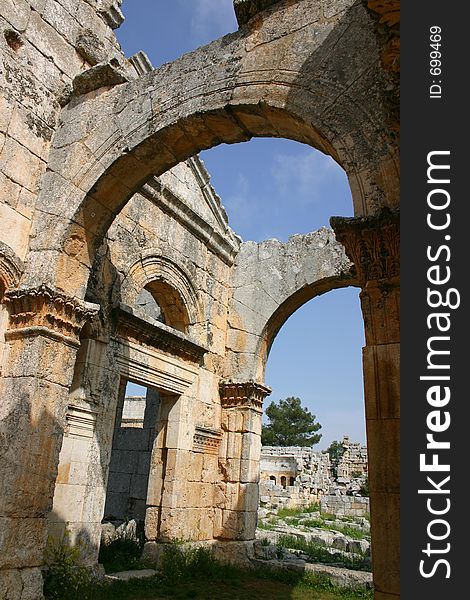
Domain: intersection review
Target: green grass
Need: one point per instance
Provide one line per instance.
(195, 574)
(320, 554)
(351, 532)
(296, 512)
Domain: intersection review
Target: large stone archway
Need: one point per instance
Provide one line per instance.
(288, 73)
(307, 70)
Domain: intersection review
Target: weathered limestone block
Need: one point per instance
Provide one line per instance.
(111, 13)
(90, 47)
(24, 584)
(101, 75)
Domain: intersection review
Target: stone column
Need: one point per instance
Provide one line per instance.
(373, 244)
(42, 341)
(238, 493)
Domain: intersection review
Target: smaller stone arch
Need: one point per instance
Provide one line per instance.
(169, 285)
(11, 268)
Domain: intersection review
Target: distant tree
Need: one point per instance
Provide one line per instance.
(336, 451)
(290, 425)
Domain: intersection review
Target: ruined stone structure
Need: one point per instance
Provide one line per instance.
(353, 462)
(293, 476)
(103, 196)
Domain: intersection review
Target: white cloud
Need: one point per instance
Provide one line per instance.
(305, 174)
(212, 18)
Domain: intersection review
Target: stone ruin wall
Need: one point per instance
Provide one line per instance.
(70, 340)
(311, 477)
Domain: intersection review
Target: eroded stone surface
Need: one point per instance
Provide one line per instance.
(103, 196)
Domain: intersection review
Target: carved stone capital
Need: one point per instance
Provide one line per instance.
(246, 394)
(372, 244)
(44, 311)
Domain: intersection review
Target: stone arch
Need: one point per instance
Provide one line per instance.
(170, 286)
(289, 73)
(271, 281)
(11, 269)
(288, 308)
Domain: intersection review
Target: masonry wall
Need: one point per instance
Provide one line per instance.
(43, 48)
(345, 506)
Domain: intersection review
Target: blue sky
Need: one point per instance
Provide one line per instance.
(273, 188)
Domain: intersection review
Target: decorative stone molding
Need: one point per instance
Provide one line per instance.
(80, 421)
(247, 394)
(372, 243)
(206, 440)
(43, 311)
(158, 335)
(157, 268)
(151, 367)
(141, 63)
(11, 267)
(223, 246)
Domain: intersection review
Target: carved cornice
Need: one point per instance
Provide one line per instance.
(206, 440)
(225, 246)
(44, 311)
(158, 335)
(80, 421)
(372, 243)
(245, 394)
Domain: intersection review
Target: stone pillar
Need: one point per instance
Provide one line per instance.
(238, 492)
(42, 341)
(373, 244)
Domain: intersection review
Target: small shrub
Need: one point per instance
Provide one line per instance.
(123, 553)
(265, 542)
(296, 512)
(66, 576)
(314, 523)
(364, 489)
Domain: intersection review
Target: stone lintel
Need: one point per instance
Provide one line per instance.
(243, 394)
(372, 244)
(44, 311)
(158, 335)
